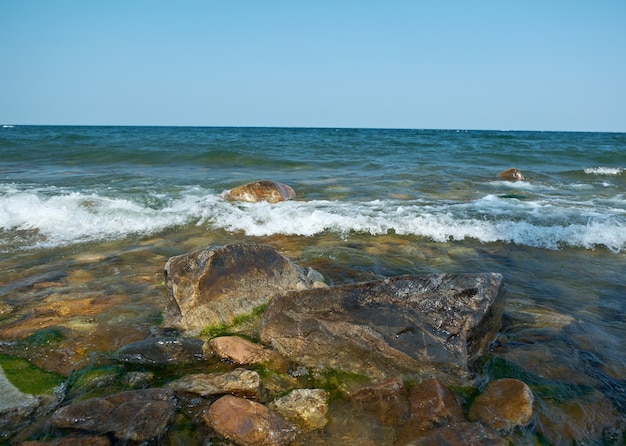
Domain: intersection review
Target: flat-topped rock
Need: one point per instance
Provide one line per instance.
(409, 327)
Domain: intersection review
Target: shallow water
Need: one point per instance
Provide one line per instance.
(89, 216)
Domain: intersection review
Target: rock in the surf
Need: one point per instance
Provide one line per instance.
(408, 327)
(264, 190)
(512, 174)
(213, 286)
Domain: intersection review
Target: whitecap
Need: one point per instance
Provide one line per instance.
(603, 170)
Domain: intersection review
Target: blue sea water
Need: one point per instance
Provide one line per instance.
(97, 211)
(111, 182)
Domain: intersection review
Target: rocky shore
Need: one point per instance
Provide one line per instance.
(256, 350)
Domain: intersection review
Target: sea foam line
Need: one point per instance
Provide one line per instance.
(76, 217)
(603, 170)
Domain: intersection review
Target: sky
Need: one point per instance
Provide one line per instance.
(438, 64)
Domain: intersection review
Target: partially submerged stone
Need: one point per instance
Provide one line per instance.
(215, 285)
(387, 400)
(15, 406)
(306, 408)
(264, 190)
(512, 174)
(240, 382)
(432, 405)
(244, 352)
(249, 423)
(137, 415)
(408, 327)
(162, 350)
(504, 404)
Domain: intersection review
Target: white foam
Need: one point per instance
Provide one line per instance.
(488, 220)
(61, 218)
(603, 170)
(74, 217)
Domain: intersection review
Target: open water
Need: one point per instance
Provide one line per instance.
(91, 214)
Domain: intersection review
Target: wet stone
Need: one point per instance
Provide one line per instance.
(243, 352)
(306, 408)
(263, 190)
(463, 434)
(504, 404)
(249, 423)
(432, 405)
(213, 286)
(240, 382)
(138, 415)
(408, 326)
(73, 440)
(387, 400)
(15, 406)
(592, 419)
(162, 350)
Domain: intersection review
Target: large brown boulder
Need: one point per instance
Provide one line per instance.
(410, 327)
(215, 285)
(249, 423)
(264, 190)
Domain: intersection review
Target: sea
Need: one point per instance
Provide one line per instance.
(90, 214)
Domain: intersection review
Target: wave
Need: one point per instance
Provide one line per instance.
(45, 218)
(603, 170)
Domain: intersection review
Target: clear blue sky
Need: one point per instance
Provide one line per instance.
(506, 64)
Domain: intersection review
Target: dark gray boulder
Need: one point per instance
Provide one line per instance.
(410, 327)
(137, 415)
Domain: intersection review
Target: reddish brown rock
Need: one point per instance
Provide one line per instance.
(241, 351)
(504, 404)
(212, 286)
(511, 174)
(264, 190)
(387, 400)
(433, 403)
(248, 423)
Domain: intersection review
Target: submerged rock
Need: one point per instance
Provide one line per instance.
(408, 327)
(387, 400)
(137, 415)
(249, 423)
(511, 174)
(306, 408)
(264, 190)
(462, 434)
(162, 351)
(504, 404)
(215, 285)
(432, 404)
